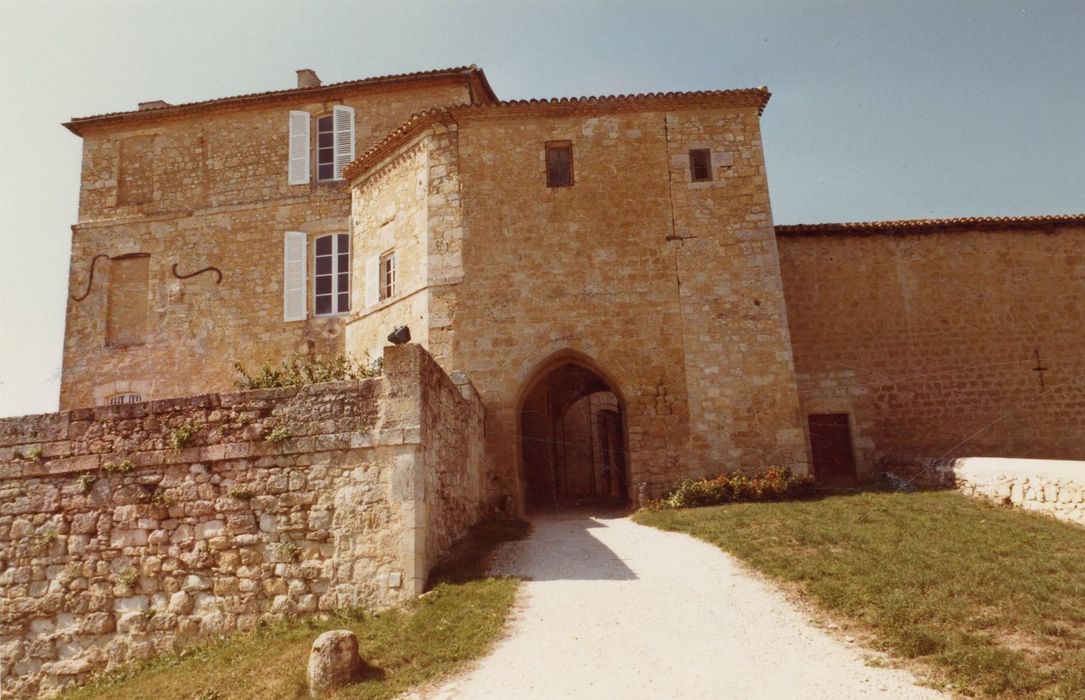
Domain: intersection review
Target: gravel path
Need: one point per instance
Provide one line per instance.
(612, 609)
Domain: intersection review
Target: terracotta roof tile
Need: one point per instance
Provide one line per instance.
(930, 225)
(752, 97)
(76, 124)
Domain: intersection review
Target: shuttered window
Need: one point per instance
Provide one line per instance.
(372, 280)
(331, 275)
(299, 148)
(332, 150)
(294, 276)
(344, 138)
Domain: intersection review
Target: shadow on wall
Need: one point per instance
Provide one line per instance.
(564, 550)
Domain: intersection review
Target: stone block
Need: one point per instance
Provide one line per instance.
(333, 662)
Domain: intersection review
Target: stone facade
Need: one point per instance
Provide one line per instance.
(719, 333)
(200, 186)
(131, 530)
(670, 286)
(927, 335)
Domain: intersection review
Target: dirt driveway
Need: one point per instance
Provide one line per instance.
(616, 610)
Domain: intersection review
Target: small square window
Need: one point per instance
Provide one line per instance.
(559, 163)
(388, 275)
(700, 164)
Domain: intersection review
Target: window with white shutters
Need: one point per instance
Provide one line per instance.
(331, 275)
(372, 280)
(294, 276)
(299, 148)
(327, 154)
(344, 138)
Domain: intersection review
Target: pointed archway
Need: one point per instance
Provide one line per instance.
(572, 437)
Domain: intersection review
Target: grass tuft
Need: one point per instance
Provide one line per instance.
(987, 598)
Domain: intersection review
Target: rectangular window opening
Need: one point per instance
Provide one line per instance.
(559, 163)
(388, 275)
(325, 149)
(331, 275)
(700, 164)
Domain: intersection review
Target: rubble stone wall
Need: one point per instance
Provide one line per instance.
(1052, 487)
(131, 530)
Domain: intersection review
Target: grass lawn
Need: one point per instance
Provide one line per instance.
(990, 600)
(459, 620)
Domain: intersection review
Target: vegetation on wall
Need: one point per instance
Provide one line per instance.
(302, 370)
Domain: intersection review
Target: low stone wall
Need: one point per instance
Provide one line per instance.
(1054, 487)
(131, 530)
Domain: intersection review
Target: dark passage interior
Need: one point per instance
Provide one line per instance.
(572, 441)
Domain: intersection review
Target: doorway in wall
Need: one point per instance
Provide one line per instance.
(831, 450)
(572, 439)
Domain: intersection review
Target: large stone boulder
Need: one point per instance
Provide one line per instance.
(333, 662)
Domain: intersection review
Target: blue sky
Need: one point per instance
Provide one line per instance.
(881, 109)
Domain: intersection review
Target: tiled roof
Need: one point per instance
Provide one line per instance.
(930, 225)
(747, 97)
(77, 124)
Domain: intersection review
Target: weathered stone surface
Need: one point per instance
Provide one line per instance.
(173, 193)
(1052, 487)
(157, 561)
(333, 662)
(917, 334)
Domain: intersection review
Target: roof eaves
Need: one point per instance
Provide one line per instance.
(472, 74)
(905, 226)
(751, 97)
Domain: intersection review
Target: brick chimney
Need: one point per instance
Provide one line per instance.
(153, 104)
(307, 78)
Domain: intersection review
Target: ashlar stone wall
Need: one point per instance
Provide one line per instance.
(131, 530)
(943, 343)
(670, 288)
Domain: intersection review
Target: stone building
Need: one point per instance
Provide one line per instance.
(605, 271)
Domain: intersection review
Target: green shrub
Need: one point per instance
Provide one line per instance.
(771, 485)
(86, 481)
(301, 370)
(278, 434)
(122, 467)
(180, 435)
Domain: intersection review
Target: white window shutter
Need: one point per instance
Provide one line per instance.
(343, 122)
(299, 148)
(372, 280)
(294, 270)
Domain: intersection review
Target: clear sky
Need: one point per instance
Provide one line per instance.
(881, 109)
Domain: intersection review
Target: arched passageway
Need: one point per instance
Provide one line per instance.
(572, 440)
